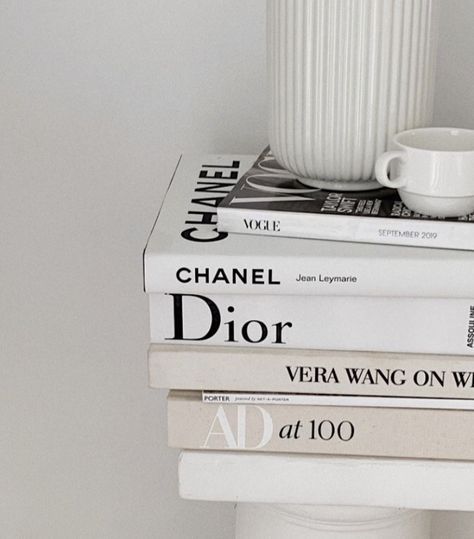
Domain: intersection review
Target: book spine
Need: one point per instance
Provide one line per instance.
(378, 432)
(421, 325)
(306, 275)
(228, 397)
(437, 234)
(307, 372)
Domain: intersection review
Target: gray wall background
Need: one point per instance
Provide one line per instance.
(97, 99)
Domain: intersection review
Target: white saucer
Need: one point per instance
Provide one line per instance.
(438, 206)
(334, 185)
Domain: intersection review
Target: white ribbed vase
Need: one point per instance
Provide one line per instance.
(344, 77)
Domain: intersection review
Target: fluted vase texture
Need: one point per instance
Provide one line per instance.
(344, 77)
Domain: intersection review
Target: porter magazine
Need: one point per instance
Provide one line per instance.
(290, 399)
(186, 253)
(270, 201)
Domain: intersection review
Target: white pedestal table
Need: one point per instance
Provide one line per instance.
(322, 497)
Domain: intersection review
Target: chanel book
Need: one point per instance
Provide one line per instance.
(332, 430)
(187, 254)
(270, 201)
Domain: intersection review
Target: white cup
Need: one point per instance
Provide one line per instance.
(433, 170)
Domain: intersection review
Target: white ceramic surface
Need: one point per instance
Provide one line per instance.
(433, 170)
(344, 77)
(257, 521)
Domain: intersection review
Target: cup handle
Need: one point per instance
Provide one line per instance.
(382, 167)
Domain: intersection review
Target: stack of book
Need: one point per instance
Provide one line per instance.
(308, 345)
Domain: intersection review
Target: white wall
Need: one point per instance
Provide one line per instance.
(455, 83)
(96, 101)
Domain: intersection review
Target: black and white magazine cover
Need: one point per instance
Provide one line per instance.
(270, 200)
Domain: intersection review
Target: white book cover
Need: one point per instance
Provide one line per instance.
(355, 401)
(270, 201)
(403, 325)
(333, 430)
(321, 372)
(187, 254)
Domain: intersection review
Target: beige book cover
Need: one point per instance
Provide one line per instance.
(310, 371)
(379, 432)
